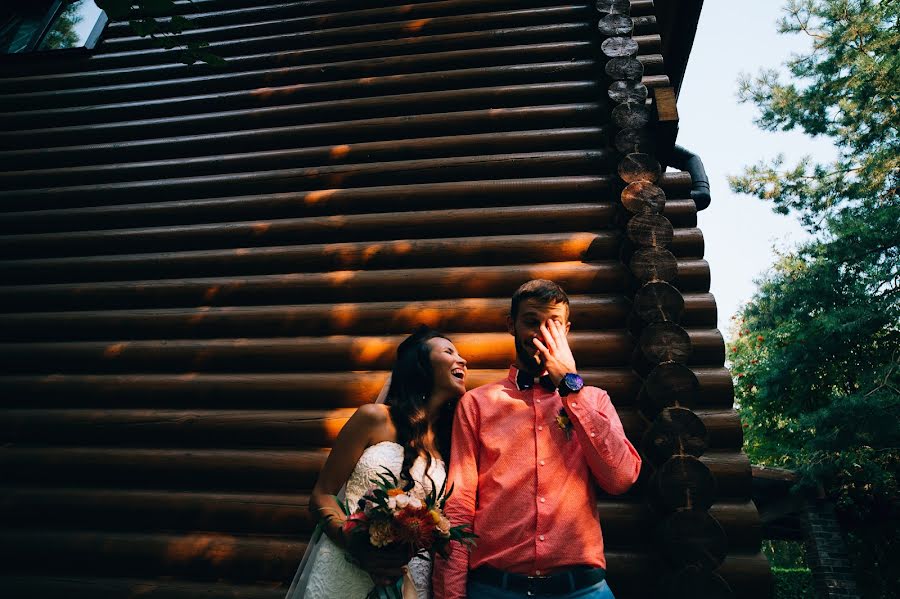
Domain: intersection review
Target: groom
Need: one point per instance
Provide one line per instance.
(526, 453)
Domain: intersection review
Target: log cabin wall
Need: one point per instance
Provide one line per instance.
(205, 270)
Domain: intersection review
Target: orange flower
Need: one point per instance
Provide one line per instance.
(416, 527)
(394, 492)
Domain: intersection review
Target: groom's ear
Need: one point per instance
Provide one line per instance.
(568, 326)
(511, 325)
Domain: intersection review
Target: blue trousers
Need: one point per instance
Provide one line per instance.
(479, 590)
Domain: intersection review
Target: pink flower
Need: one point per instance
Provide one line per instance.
(354, 521)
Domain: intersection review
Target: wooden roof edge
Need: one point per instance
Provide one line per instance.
(776, 475)
(677, 20)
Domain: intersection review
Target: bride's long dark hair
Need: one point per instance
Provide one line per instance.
(411, 384)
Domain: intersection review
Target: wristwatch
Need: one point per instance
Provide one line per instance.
(570, 383)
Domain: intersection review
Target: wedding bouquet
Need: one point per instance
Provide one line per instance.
(389, 517)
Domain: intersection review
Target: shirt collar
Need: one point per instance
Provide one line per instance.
(519, 377)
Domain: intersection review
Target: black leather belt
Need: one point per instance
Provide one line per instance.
(560, 583)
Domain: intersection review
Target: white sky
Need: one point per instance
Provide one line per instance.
(740, 231)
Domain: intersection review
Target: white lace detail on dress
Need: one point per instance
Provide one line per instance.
(333, 577)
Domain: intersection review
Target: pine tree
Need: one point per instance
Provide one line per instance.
(816, 352)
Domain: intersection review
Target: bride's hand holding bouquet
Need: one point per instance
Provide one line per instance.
(390, 526)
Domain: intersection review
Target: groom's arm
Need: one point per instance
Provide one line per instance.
(450, 575)
(611, 457)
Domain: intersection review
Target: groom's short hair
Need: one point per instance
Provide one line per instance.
(542, 290)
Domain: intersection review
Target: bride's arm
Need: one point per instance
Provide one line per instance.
(364, 426)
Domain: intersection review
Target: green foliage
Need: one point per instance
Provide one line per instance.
(847, 88)
(816, 352)
(63, 33)
(785, 554)
(147, 19)
(793, 583)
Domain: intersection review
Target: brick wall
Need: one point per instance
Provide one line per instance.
(827, 553)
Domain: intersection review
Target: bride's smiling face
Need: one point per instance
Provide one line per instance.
(449, 368)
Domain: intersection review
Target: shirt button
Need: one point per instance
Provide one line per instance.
(593, 434)
(542, 462)
(573, 404)
(543, 500)
(540, 428)
(537, 572)
(541, 537)
(537, 401)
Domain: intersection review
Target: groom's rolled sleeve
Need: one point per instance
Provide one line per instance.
(450, 575)
(611, 457)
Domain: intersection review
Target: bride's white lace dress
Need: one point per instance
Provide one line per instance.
(332, 576)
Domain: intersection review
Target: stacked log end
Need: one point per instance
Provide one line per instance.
(679, 487)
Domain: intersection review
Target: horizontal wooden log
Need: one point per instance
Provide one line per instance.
(238, 559)
(730, 469)
(333, 18)
(338, 286)
(748, 574)
(312, 112)
(96, 71)
(465, 194)
(262, 98)
(314, 179)
(199, 556)
(382, 40)
(411, 253)
(315, 390)
(200, 147)
(689, 581)
(338, 228)
(220, 15)
(318, 257)
(290, 33)
(467, 315)
(80, 587)
(138, 510)
(628, 524)
(431, 147)
(486, 350)
(242, 470)
(258, 428)
(231, 79)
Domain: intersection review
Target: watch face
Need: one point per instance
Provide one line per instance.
(573, 382)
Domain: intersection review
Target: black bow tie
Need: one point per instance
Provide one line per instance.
(525, 381)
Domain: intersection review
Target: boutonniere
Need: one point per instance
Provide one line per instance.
(563, 422)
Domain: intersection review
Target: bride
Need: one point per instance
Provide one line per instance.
(410, 434)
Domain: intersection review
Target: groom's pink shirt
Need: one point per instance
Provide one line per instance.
(528, 491)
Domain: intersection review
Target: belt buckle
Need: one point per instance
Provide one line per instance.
(530, 591)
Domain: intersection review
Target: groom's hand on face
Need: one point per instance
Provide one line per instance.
(554, 352)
